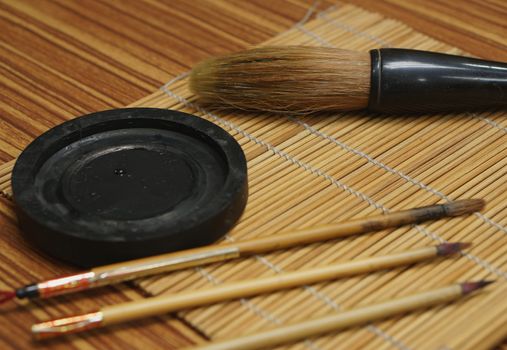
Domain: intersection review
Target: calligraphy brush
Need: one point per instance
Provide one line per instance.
(129, 311)
(309, 79)
(128, 270)
(346, 319)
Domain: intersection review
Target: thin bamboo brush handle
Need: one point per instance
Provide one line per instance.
(164, 304)
(321, 233)
(353, 227)
(339, 321)
(199, 256)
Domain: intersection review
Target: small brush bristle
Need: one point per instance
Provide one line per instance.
(445, 249)
(6, 295)
(464, 207)
(469, 287)
(285, 79)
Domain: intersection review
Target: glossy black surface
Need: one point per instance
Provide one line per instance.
(405, 80)
(128, 183)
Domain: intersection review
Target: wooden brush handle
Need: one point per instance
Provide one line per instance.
(337, 322)
(204, 255)
(169, 303)
(359, 226)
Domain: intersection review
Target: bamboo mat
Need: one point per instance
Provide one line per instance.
(326, 168)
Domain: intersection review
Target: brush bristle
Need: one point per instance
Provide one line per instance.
(285, 79)
(446, 249)
(464, 207)
(469, 287)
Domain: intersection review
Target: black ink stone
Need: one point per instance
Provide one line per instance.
(128, 183)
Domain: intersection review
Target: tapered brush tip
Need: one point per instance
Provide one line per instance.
(285, 79)
(469, 287)
(464, 207)
(6, 295)
(445, 249)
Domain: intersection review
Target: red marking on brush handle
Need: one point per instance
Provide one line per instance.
(66, 284)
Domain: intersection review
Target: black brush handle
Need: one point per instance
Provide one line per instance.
(405, 80)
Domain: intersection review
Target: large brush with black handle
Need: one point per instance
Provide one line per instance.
(310, 79)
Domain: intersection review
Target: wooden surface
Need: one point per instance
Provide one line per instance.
(65, 58)
(324, 168)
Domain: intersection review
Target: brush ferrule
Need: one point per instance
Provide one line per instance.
(405, 80)
(50, 329)
(66, 284)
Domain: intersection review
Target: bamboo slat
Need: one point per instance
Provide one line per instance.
(326, 168)
(61, 60)
(323, 168)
